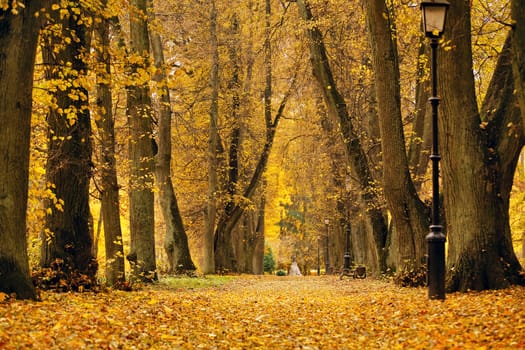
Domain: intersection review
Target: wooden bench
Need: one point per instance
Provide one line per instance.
(357, 272)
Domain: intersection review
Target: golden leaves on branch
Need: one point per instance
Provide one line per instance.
(14, 5)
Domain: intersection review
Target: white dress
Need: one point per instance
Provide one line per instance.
(294, 270)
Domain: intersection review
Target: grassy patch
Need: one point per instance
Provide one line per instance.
(185, 282)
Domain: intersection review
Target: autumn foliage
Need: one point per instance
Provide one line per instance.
(267, 313)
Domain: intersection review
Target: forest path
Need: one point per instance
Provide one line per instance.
(268, 312)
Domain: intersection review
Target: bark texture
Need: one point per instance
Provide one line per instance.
(18, 41)
(479, 255)
(518, 51)
(408, 212)
(228, 255)
(69, 238)
(209, 242)
(141, 151)
(176, 240)
(421, 137)
(109, 187)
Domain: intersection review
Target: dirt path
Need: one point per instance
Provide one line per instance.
(268, 313)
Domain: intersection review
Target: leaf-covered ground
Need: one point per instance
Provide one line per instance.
(269, 313)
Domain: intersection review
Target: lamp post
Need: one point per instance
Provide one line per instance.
(346, 257)
(434, 13)
(318, 257)
(326, 255)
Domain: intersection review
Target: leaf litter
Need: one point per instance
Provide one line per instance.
(269, 312)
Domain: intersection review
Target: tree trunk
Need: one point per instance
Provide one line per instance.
(341, 178)
(176, 241)
(248, 241)
(506, 135)
(518, 60)
(208, 264)
(421, 137)
(356, 157)
(225, 257)
(18, 41)
(479, 256)
(408, 212)
(258, 240)
(523, 245)
(68, 237)
(141, 151)
(237, 175)
(109, 187)
(518, 51)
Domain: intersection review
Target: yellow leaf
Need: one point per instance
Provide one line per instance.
(73, 97)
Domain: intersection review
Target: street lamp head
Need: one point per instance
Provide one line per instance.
(434, 13)
(327, 221)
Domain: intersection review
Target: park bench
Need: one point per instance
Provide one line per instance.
(356, 272)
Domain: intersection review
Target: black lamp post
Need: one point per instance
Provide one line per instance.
(434, 13)
(318, 257)
(346, 257)
(326, 253)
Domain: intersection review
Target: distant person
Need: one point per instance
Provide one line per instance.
(294, 269)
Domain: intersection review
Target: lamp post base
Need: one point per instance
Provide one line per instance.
(436, 265)
(346, 271)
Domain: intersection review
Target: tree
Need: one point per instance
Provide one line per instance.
(248, 235)
(420, 138)
(68, 238)
(518, 51)
(209, 265)
(256, 250)
(475, 185)
(176, 241)
(408, 212)
(19, 28)
(109, 187)
(141, 148)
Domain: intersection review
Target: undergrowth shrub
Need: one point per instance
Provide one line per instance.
(411, 277)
